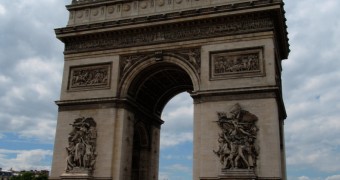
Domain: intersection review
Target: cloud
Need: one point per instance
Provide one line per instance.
(2, 10)
(304, 178)
(175, 171)
(178, 125)
(179, 168)
(31, 63)
(38, 128)
(311, 84)
(25, 159)
(177, 157)
(335, 177)
(4, 79)
(163, 176)
(27, 106)
(170, 139)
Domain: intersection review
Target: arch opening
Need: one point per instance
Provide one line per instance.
(176, 143)
(151, 90)
(157, 84)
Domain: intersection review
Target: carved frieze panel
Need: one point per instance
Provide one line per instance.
(236, 64)
(81, 151)
(177, 32)
(237, 139)
(90, 77)
(190, 56)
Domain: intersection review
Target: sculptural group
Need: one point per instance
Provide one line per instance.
(82, 145)
(237, 141)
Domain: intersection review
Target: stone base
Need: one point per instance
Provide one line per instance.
(240, 174)
(77, 173)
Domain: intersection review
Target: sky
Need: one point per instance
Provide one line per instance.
(31, 61)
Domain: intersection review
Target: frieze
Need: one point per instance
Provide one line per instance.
(75, 2)
(89, 77)
(190, 56)
(177, 32)
(238, 63)
(81, 151)
(237, 140)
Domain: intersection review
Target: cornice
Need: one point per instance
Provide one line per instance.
(121, 34)
(79, 4)
(169, 15)
(233, 4)
(247, 93)
(90, 101)
(105, 103)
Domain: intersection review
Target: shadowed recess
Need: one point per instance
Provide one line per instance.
(157, 84)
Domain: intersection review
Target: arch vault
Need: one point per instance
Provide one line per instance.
(125, 59)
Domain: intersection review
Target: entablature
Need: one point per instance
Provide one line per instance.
(92, 11)
(262, 15)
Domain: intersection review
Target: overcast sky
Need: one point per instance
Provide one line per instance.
(31, 63)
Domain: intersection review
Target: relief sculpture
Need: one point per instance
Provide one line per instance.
(237, 141)
(191, 56)
(243, 63)
(82, 146)
(96, 76)
(238, 63)
(180, 32)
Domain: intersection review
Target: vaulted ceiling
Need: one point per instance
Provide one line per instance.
(156, 85)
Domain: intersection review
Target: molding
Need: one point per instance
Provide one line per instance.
(191, 56)
(94, 103)
(85, 11)
(242, 94)
(200, 29)
(73, 33)
(236, 94)
(233, 96)
(86, 101)
(106, 103)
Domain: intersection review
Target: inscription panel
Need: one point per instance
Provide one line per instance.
(90, 77)
(236, 63)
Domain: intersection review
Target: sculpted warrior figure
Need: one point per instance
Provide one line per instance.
(82, 142)
(237, 147)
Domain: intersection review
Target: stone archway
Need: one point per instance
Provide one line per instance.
(124, 60)
(154, 82)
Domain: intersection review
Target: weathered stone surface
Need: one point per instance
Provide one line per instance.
(124, 60)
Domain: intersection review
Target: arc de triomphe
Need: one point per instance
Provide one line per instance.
(125, 59)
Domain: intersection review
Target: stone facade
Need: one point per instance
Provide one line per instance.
(124, 60)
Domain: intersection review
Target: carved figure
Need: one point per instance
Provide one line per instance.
(237, 147)
(82, 142)
(89, 76)
(238, 63)
(70, 150)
